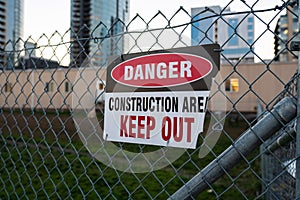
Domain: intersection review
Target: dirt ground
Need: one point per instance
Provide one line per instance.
(37, 124)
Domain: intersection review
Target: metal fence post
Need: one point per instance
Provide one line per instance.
(282, 113)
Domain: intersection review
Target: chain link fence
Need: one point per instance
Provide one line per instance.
(46, 82)
(279, 157)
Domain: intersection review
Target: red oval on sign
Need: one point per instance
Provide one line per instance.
(161, 70)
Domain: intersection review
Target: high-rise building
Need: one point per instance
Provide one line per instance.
(95, 26)
(11, 29)
(235, 33)
(2, 31)
(285, 31)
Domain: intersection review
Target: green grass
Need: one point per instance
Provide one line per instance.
(43, 174)
(48, 173)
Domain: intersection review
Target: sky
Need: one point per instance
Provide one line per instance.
(47, 16)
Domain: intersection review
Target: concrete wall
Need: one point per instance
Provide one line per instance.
(28, 88)
(256, 81)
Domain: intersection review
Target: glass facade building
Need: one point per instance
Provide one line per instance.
(11, 29)
(96, 25)
(285, 31)
(204, 28)
(235, 33)
(2, 30)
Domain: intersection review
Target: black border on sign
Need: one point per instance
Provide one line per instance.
(211, 52)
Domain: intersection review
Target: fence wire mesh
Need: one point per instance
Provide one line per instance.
(44, 82)
(278, 164)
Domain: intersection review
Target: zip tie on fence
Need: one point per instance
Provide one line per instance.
(218, 50)
(281, 114)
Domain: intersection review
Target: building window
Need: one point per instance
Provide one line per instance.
(250, 20)
(100, 86)
(68, 86)
(126, 6)
(232, 32)
(250, 33)
(8, 87)
(49, 87)
(250, 40)
(250, 36)
(216, 31)
(232, 85)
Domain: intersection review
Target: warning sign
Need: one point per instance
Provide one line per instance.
(159, 97)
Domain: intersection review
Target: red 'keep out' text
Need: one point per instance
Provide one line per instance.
(138, 126)
(175, 125)
(171, 127)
